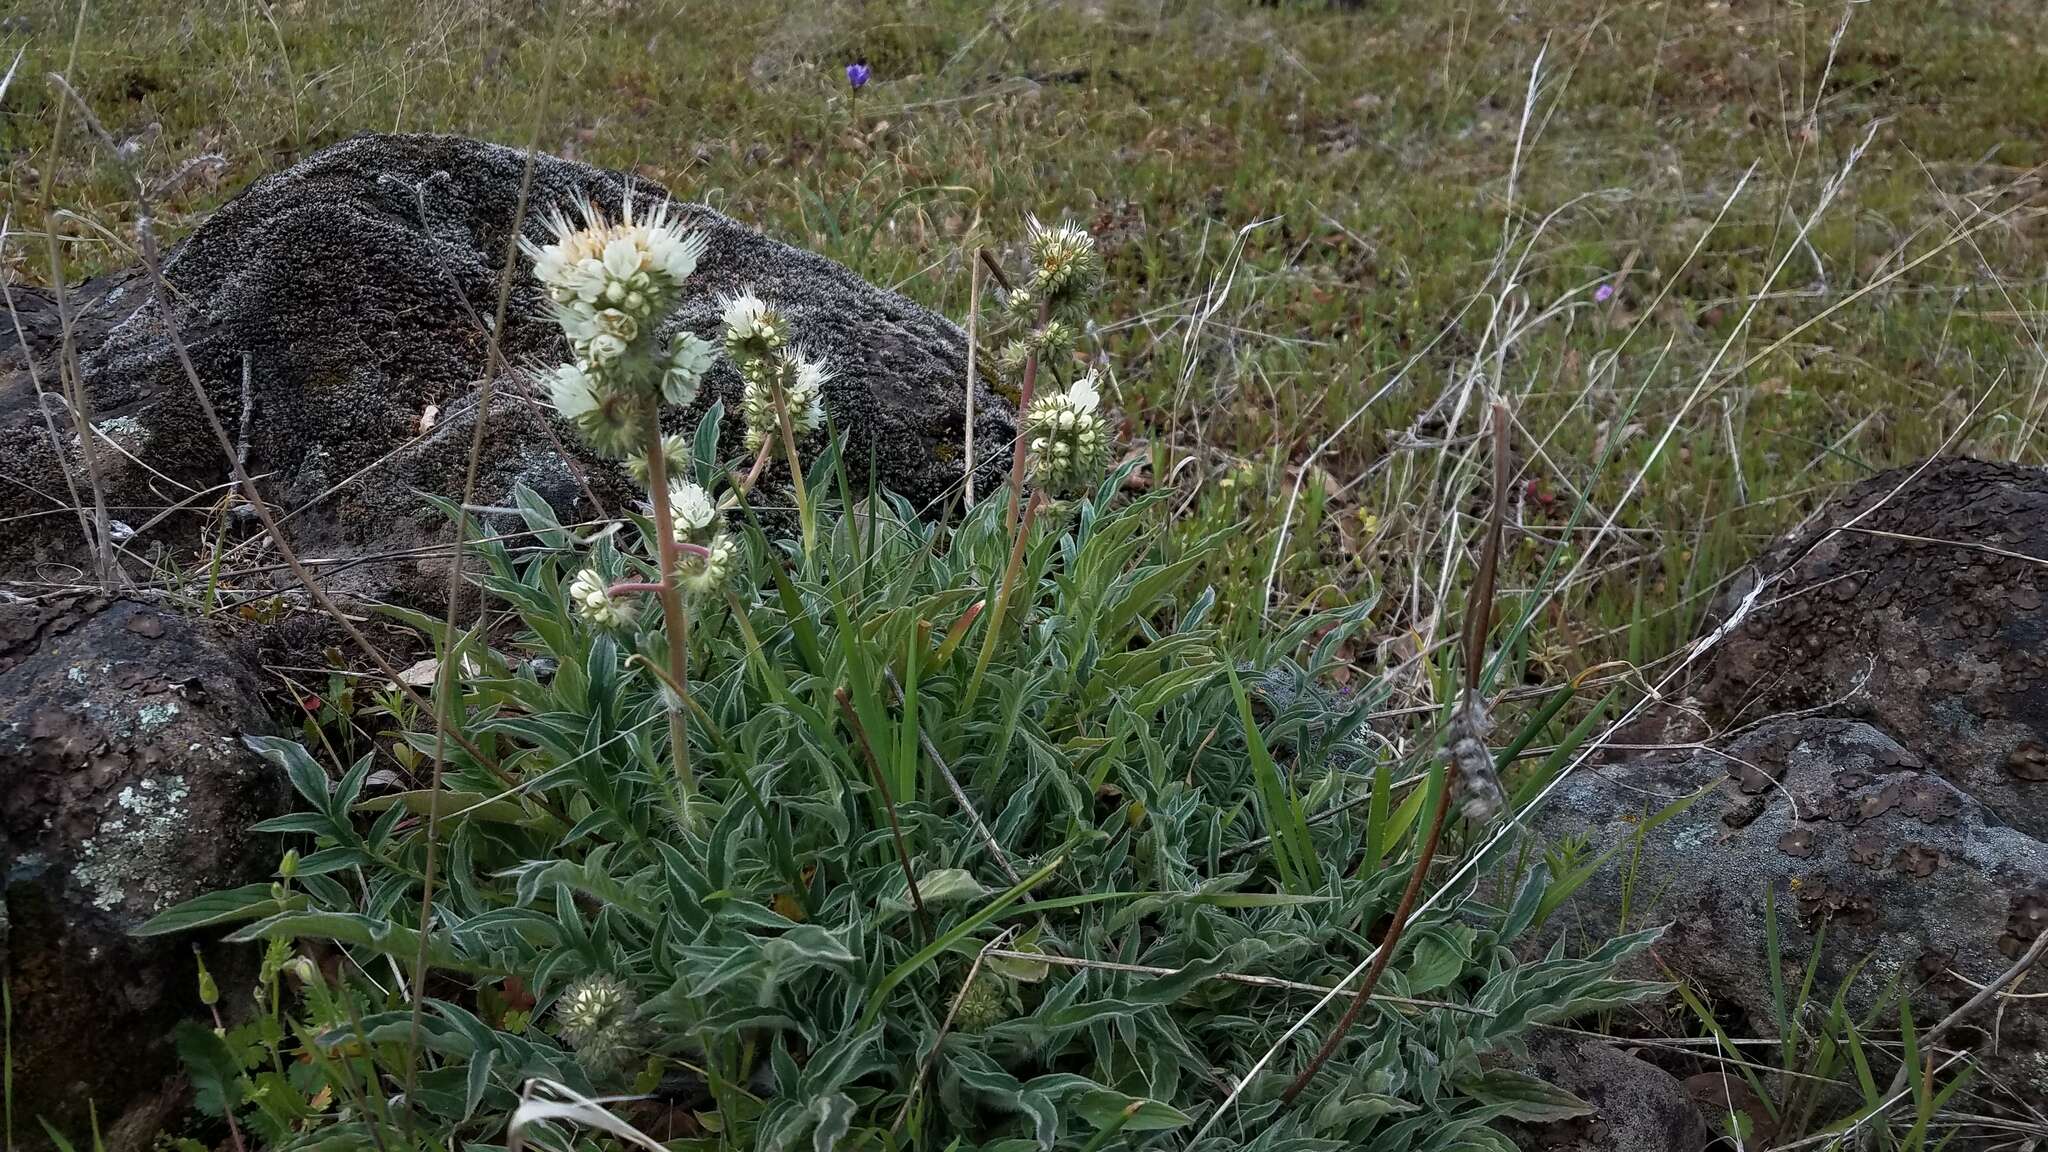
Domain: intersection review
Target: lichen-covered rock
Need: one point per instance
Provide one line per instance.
(354, 288)
(1914, 878)
(1925, 617)
(124, 788)
(1636, 1106)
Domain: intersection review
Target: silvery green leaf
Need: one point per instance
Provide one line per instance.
(1524, 1097)
(834, 1115)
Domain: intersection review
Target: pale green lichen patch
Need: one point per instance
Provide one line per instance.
(130, 431)
(134, 845)
(153, 717)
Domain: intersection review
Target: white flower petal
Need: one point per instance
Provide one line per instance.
(621, 258)
(690, 507)
(1083, 395)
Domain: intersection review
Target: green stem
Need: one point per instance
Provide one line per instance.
(796, 469)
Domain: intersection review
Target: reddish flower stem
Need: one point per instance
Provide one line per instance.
(1018, 450)
(668, 548)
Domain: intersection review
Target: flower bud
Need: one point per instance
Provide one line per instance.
(209, 992)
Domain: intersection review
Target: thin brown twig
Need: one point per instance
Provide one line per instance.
(451, 658)
(753, 475)
(234, 1130)
(247, 414)
(994, 269)
(1478, 618)
(1479, 615)
(35, 380)
(344, 482)
(1017, 452)
(70, 382)
(924, 1068)
(1388, 943)
(860, 736)
(973, 322)
(1983, 996)
(1970, 545)
(494, 353)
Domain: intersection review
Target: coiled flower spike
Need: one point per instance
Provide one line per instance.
(1069, 440)
(1066, 268)
(590, 597)
(799, 379)
(595, 1017)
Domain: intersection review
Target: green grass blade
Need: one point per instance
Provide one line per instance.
(950, 937)
(1555, 762)
(1377, 814)
(1294, 853)
(1713, 1027)
(1773, 957)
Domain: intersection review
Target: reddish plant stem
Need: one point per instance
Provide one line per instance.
(1391, 941)
(1478, 620)
(1025, 389)
(669, 550)
(760, 463)
(1479, 615)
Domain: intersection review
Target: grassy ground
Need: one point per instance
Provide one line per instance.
(1332, 232)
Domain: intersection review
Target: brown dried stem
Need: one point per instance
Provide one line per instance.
(451, 658)
(1478, 618)
(70, 381)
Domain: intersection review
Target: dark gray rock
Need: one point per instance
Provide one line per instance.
(1940, 640)
(1912, 876)
(1637, 1106)
(124, 788)
(355, 284)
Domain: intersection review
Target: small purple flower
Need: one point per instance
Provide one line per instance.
(1603, 294)
(857, 74)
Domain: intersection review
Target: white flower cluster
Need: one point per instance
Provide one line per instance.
(689, 360)
(1065, 267)
(690, 506)
(705, 575)
(696, 521)
(1068, 440)
(611, 283)
(778, 379)
(1068, 437)
(1050, 340)
(590, 597)
(596, 1018)
(753, 330)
